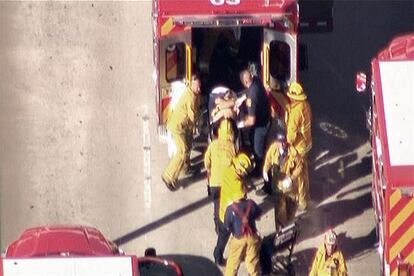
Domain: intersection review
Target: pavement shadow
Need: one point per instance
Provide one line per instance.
(355, 190)
(332, 214)
(329, 179)
(178, 213)
(162, 221)
(187, 181)
(302, 260)
(194, 265)
(275, 261)
(353, 248)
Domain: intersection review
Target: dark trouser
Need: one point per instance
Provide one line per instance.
(270, 186)
(258, 143)
(284, 208)
(222, 239)
(267, 187)
(215, 195)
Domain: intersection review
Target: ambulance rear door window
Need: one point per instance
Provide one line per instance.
(279, 60)
(175, 62)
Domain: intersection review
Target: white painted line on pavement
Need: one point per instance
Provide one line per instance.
(147, 158)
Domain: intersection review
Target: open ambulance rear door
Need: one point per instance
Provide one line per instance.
(279, 62)
(175, 65)
(172, 55)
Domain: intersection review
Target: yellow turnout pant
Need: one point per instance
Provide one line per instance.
(247, 249)
(303, 185)
(178, 161)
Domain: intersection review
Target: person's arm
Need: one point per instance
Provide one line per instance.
(251, 104)
(293, 124)
(297, 169)
(207, 159)
(223, 104)
(249, 121)
(228, 217)
(316, 260)
(342, 269)
(192, 107)
(267, 164)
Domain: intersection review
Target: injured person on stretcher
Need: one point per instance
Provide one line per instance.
(223, 103)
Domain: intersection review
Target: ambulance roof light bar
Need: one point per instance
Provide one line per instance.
(230, 20)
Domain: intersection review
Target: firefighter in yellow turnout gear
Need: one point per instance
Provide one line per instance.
(233, 188)
(219, 155)
(181, 124)
(298, 135)
(286, 169)
(240, 219)
(289, 183)
(274, 159)
(274, 167)
(329, 260)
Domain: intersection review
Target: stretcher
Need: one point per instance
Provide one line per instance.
(283, 245)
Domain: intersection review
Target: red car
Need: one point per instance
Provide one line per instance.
(77, 250)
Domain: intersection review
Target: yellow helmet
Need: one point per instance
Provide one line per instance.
(243, 163)
(295, 92)
(225, 130)
(330, 237)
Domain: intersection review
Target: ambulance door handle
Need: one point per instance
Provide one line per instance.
(266, 64)
(188, 62)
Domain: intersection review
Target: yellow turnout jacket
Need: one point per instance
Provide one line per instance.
(333, 265)
(184, 115)
(218, 156)
(232, 189)
(299, 126)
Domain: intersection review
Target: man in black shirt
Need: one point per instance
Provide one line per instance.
(258, 115)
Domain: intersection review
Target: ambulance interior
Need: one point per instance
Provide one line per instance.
(220, 53)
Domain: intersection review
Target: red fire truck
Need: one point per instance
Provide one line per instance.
(218, 38)
(392, 128)
(76, 250)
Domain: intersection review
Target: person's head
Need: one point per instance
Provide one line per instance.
(225, 130)
(228, 95)
(330, 242)
(254, 69)
(280, 139)
(243, 164)
(295, 92)
(274, 84)
(246, 78)
(195, 84)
